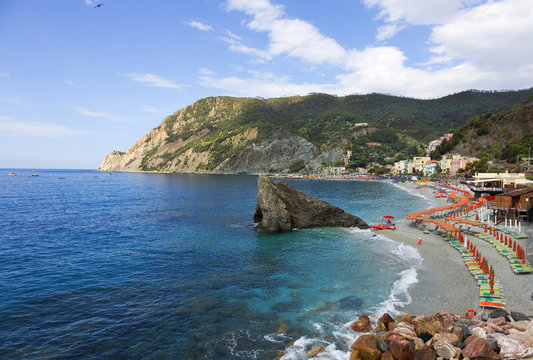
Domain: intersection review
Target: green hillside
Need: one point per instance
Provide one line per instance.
(500, 140)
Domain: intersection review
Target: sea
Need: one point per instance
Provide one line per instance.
(97, 265)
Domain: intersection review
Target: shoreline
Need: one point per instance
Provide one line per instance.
(444, 283)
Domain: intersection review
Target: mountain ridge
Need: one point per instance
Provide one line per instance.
(230, 135)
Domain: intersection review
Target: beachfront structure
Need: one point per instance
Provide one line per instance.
(460, 163)
(446, 160)
(419, 162)
(403, 167)
(430, 168)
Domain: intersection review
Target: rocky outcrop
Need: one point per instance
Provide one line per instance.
(281, 207)
(275, 154)
(401, 342)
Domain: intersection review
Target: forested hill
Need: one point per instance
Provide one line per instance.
(496, 139)
(227, 134)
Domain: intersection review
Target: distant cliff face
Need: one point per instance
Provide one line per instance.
(231, 135)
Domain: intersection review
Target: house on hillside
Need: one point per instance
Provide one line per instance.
(460, 163)
(419, 162)
(403, 167)
(430, 168)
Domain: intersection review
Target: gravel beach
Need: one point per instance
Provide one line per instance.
(444, 282)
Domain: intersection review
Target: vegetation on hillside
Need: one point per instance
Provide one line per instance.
(322, 119)
(504, 137)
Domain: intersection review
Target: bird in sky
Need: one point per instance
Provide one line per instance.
(98, 5)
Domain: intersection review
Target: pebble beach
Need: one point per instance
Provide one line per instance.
(444, 282)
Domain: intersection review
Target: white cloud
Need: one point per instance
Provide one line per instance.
(150, 109)
(200, 26)
(89, 2)
(153, 80)
(292, 37)
(68, 82)
(477, 44)
(98, 114)
(491, 36)
(13, 127)
(389, 30)
(416, 12)
(5, 74)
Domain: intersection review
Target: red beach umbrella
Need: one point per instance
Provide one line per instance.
(388, 217)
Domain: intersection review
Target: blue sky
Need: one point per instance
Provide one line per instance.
(77, 82)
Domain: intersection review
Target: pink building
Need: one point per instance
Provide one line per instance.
(456, 164)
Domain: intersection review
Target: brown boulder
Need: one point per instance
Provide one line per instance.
(426, 353)
(356, 355)
(450, 338)
(405, 330)
(427, 323)
(387, 355)
(367, 346)
(478, 348)
(405, 318)
(447, 319)
(281, 207)
(362, 324)
(385, 320)
(400, 348)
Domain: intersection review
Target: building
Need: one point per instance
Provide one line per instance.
(445, 162)
(430, 168)
(347, 158)
(419, 162)
(403, 167)
(460, 163)
(433, 144)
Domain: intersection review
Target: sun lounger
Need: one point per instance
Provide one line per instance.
(490, 304)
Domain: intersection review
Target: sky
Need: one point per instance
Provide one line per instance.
(78, 81)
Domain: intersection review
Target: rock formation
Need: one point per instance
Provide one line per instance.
(281, 207)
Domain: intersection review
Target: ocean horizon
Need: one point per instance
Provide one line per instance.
(164, 266)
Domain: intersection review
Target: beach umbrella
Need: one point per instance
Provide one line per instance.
(514, 246)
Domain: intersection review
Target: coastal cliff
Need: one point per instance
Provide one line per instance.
(281, 207)
(300, 133)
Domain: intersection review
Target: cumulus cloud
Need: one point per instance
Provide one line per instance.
(11, 126)
(68, 82)
(473, 44)
(200, 26)
(153, 80)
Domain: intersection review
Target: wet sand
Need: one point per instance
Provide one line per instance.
(444, 282)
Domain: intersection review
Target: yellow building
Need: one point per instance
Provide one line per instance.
(419, 162)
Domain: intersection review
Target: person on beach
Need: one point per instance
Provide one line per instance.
(419, 241)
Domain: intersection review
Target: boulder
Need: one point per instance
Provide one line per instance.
(510, 348)
(520, 325)
(526, 354)
(479, 332)
(356, 355)
(368, 347)
(427, 323)
(383, 322)
(405, 330)
(387, 355)
(499, 313)
(476, 347)
(518, 316)
(450, 338)
(401, 348)
(426, 353)
(362, 324)
(444, 349)
(447, 319)
(281, 207)
(383, 345)
(499, 321)
(315, 351)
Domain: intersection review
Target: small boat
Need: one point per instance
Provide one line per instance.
(12, 174)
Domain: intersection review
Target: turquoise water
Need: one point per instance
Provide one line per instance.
(166, 266)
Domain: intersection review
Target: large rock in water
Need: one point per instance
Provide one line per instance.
(281, 207)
